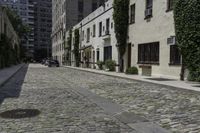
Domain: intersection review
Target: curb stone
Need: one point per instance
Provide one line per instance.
(197, 89)
(10, 76)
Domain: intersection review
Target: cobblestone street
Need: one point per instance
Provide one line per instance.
(63, 109)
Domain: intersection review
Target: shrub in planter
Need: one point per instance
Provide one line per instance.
(132, 70)
(110, 65)
(100, 64)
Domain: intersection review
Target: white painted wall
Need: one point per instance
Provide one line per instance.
(100, 15)
(159, 28)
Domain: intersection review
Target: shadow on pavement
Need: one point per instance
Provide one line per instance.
(13, 87)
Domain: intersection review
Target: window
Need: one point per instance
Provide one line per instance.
(98, 54)
(132, 14)
(107, 26)
(175, 56)
(170, 4)
(148, 53)
(108, 53)
(149, 4)
(83, 35)
(88, 35)
(100, 29)
(94, 30)
(149, 8)
(5, 28)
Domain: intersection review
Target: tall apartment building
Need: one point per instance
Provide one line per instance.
(42, 28)
(25, 9)
(66, 14)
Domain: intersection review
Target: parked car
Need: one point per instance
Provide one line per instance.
(43, 61)
(46, 62)
(53, 63)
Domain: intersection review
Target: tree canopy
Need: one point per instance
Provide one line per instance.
(21, 28)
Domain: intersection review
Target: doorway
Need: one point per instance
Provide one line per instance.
(129, 55)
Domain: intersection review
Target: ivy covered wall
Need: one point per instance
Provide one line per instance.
(187, 25)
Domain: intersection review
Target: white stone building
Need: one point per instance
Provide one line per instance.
(67, 13)
(151, 38)
(97, 37)
(152, 46)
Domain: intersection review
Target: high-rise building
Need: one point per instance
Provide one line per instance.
(67, 13)
(43, 27)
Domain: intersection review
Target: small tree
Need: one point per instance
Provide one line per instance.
(76, 47)
(21, 28)
(68, 46)
(7, 52)
(121, 17)
(187, 25)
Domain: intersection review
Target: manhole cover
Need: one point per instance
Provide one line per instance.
(160, 79)
(20, 113)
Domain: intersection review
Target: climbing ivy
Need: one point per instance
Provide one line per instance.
(187, 25)
(121, 20)
(76, 47)
(69, 40)
(8, 55)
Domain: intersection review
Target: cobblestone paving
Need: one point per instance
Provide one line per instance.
(174, 109)
(62, 109)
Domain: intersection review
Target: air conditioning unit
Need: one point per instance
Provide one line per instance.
(148, 12)
(171, 40)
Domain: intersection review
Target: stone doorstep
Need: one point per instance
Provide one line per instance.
(5, 80)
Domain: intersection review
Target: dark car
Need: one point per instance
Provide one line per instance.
(47, 62)
(53, 63)
(43, 61)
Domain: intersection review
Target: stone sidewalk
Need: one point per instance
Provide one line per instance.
(171, 82)
(7, 73)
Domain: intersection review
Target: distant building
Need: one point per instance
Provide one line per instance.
(42, 28)
(66, 14)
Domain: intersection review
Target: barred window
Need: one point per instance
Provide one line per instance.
(175, 56)
(132, 13)
(148, 53)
